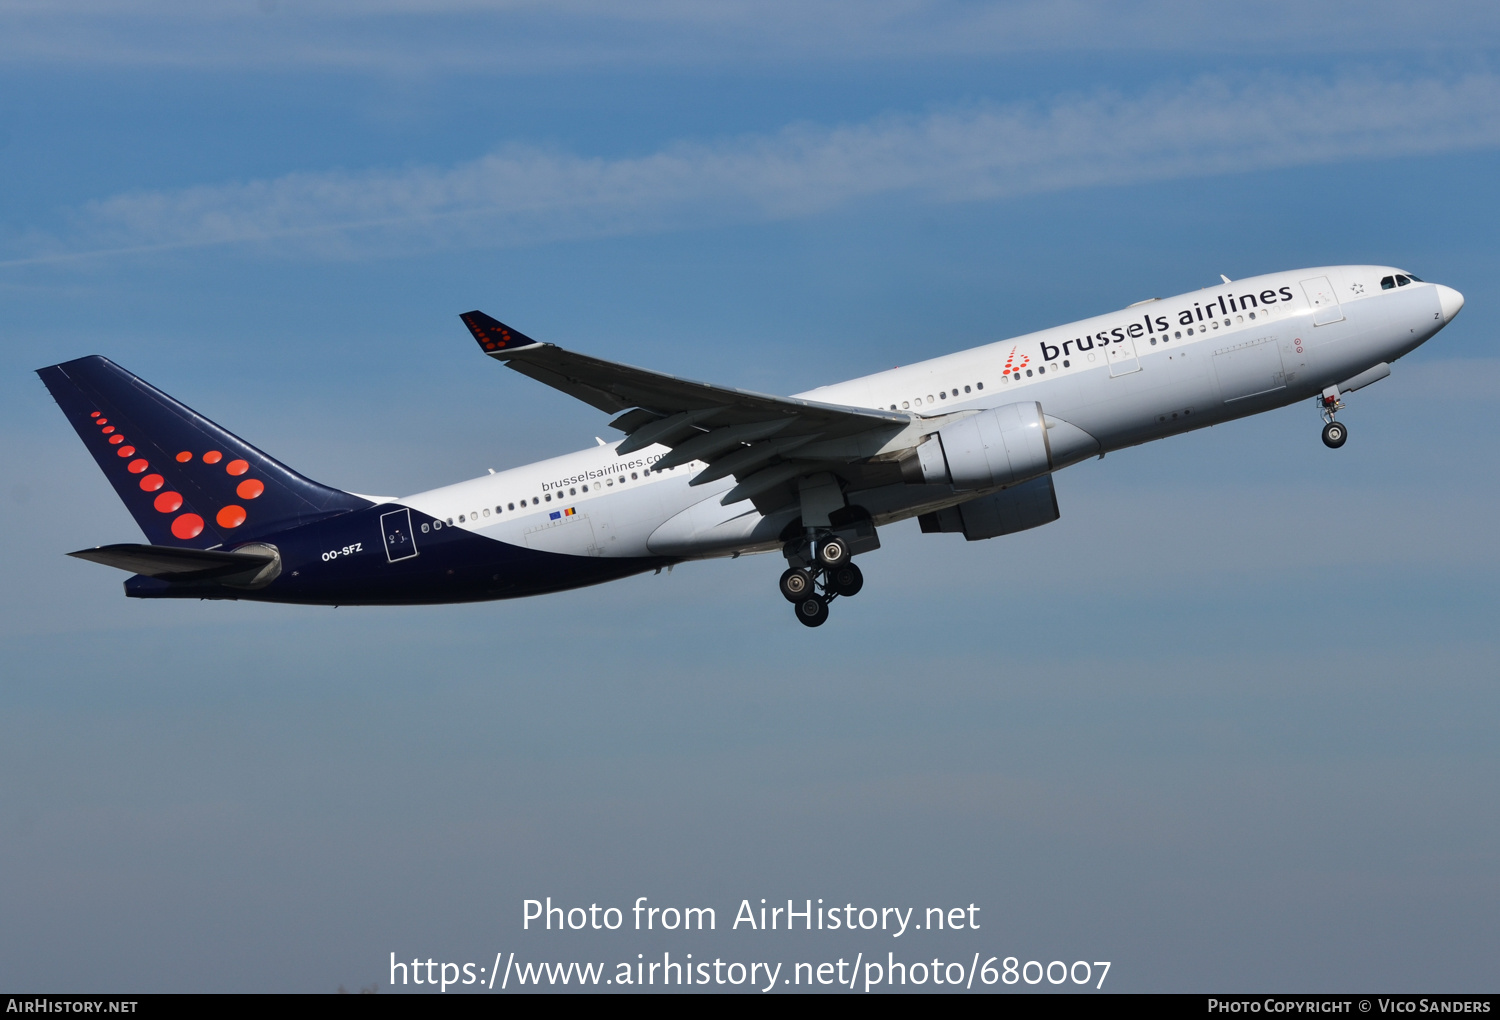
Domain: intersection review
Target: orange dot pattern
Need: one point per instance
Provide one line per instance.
(185, 525)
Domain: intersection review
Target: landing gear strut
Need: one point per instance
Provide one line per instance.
(829, 574)
(1334, 433)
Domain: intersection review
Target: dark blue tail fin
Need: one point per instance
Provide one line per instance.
(186, 481)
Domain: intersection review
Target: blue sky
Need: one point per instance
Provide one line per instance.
(1229, 723)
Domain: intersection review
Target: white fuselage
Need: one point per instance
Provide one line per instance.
(1151, 370)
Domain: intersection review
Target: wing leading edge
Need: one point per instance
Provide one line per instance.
(766, 442)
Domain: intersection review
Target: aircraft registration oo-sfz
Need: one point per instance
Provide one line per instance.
(965, 442)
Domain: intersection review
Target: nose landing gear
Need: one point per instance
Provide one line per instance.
(1334, 433)
(829, 574)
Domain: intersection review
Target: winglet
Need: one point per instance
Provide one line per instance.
(494, 336)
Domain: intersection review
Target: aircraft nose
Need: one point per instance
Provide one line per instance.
(1450, 300)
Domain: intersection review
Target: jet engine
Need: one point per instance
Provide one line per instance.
(995, 448)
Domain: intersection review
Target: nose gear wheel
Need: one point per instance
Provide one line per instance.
(1334, 433)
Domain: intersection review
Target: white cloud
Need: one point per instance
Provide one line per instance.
(520, 195)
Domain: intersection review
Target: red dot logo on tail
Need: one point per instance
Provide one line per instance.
(231, 516)
(212, 457)
(168, 502)
(187, 526)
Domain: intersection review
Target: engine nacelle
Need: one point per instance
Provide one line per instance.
(998, 447)
(1028, 505)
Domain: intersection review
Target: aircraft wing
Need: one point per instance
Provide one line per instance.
(764, 441)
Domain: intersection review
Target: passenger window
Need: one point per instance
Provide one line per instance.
(548, 497)
(966, 389)
(1387, 282)
(460, 518)
(424, 529)
(979, 385)
(942, 394)
(905, 404)
(510, 506)
(572, 492)
(634, 476)
(486, 511)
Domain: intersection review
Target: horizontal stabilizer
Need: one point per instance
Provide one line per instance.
(171, 563)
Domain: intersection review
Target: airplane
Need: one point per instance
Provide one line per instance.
(967, 443)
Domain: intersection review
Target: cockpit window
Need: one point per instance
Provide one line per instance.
(1415, 279)
(1402, 281)
(1387, 282)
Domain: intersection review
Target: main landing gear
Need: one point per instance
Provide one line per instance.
(1334, 433)
(830, 574)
